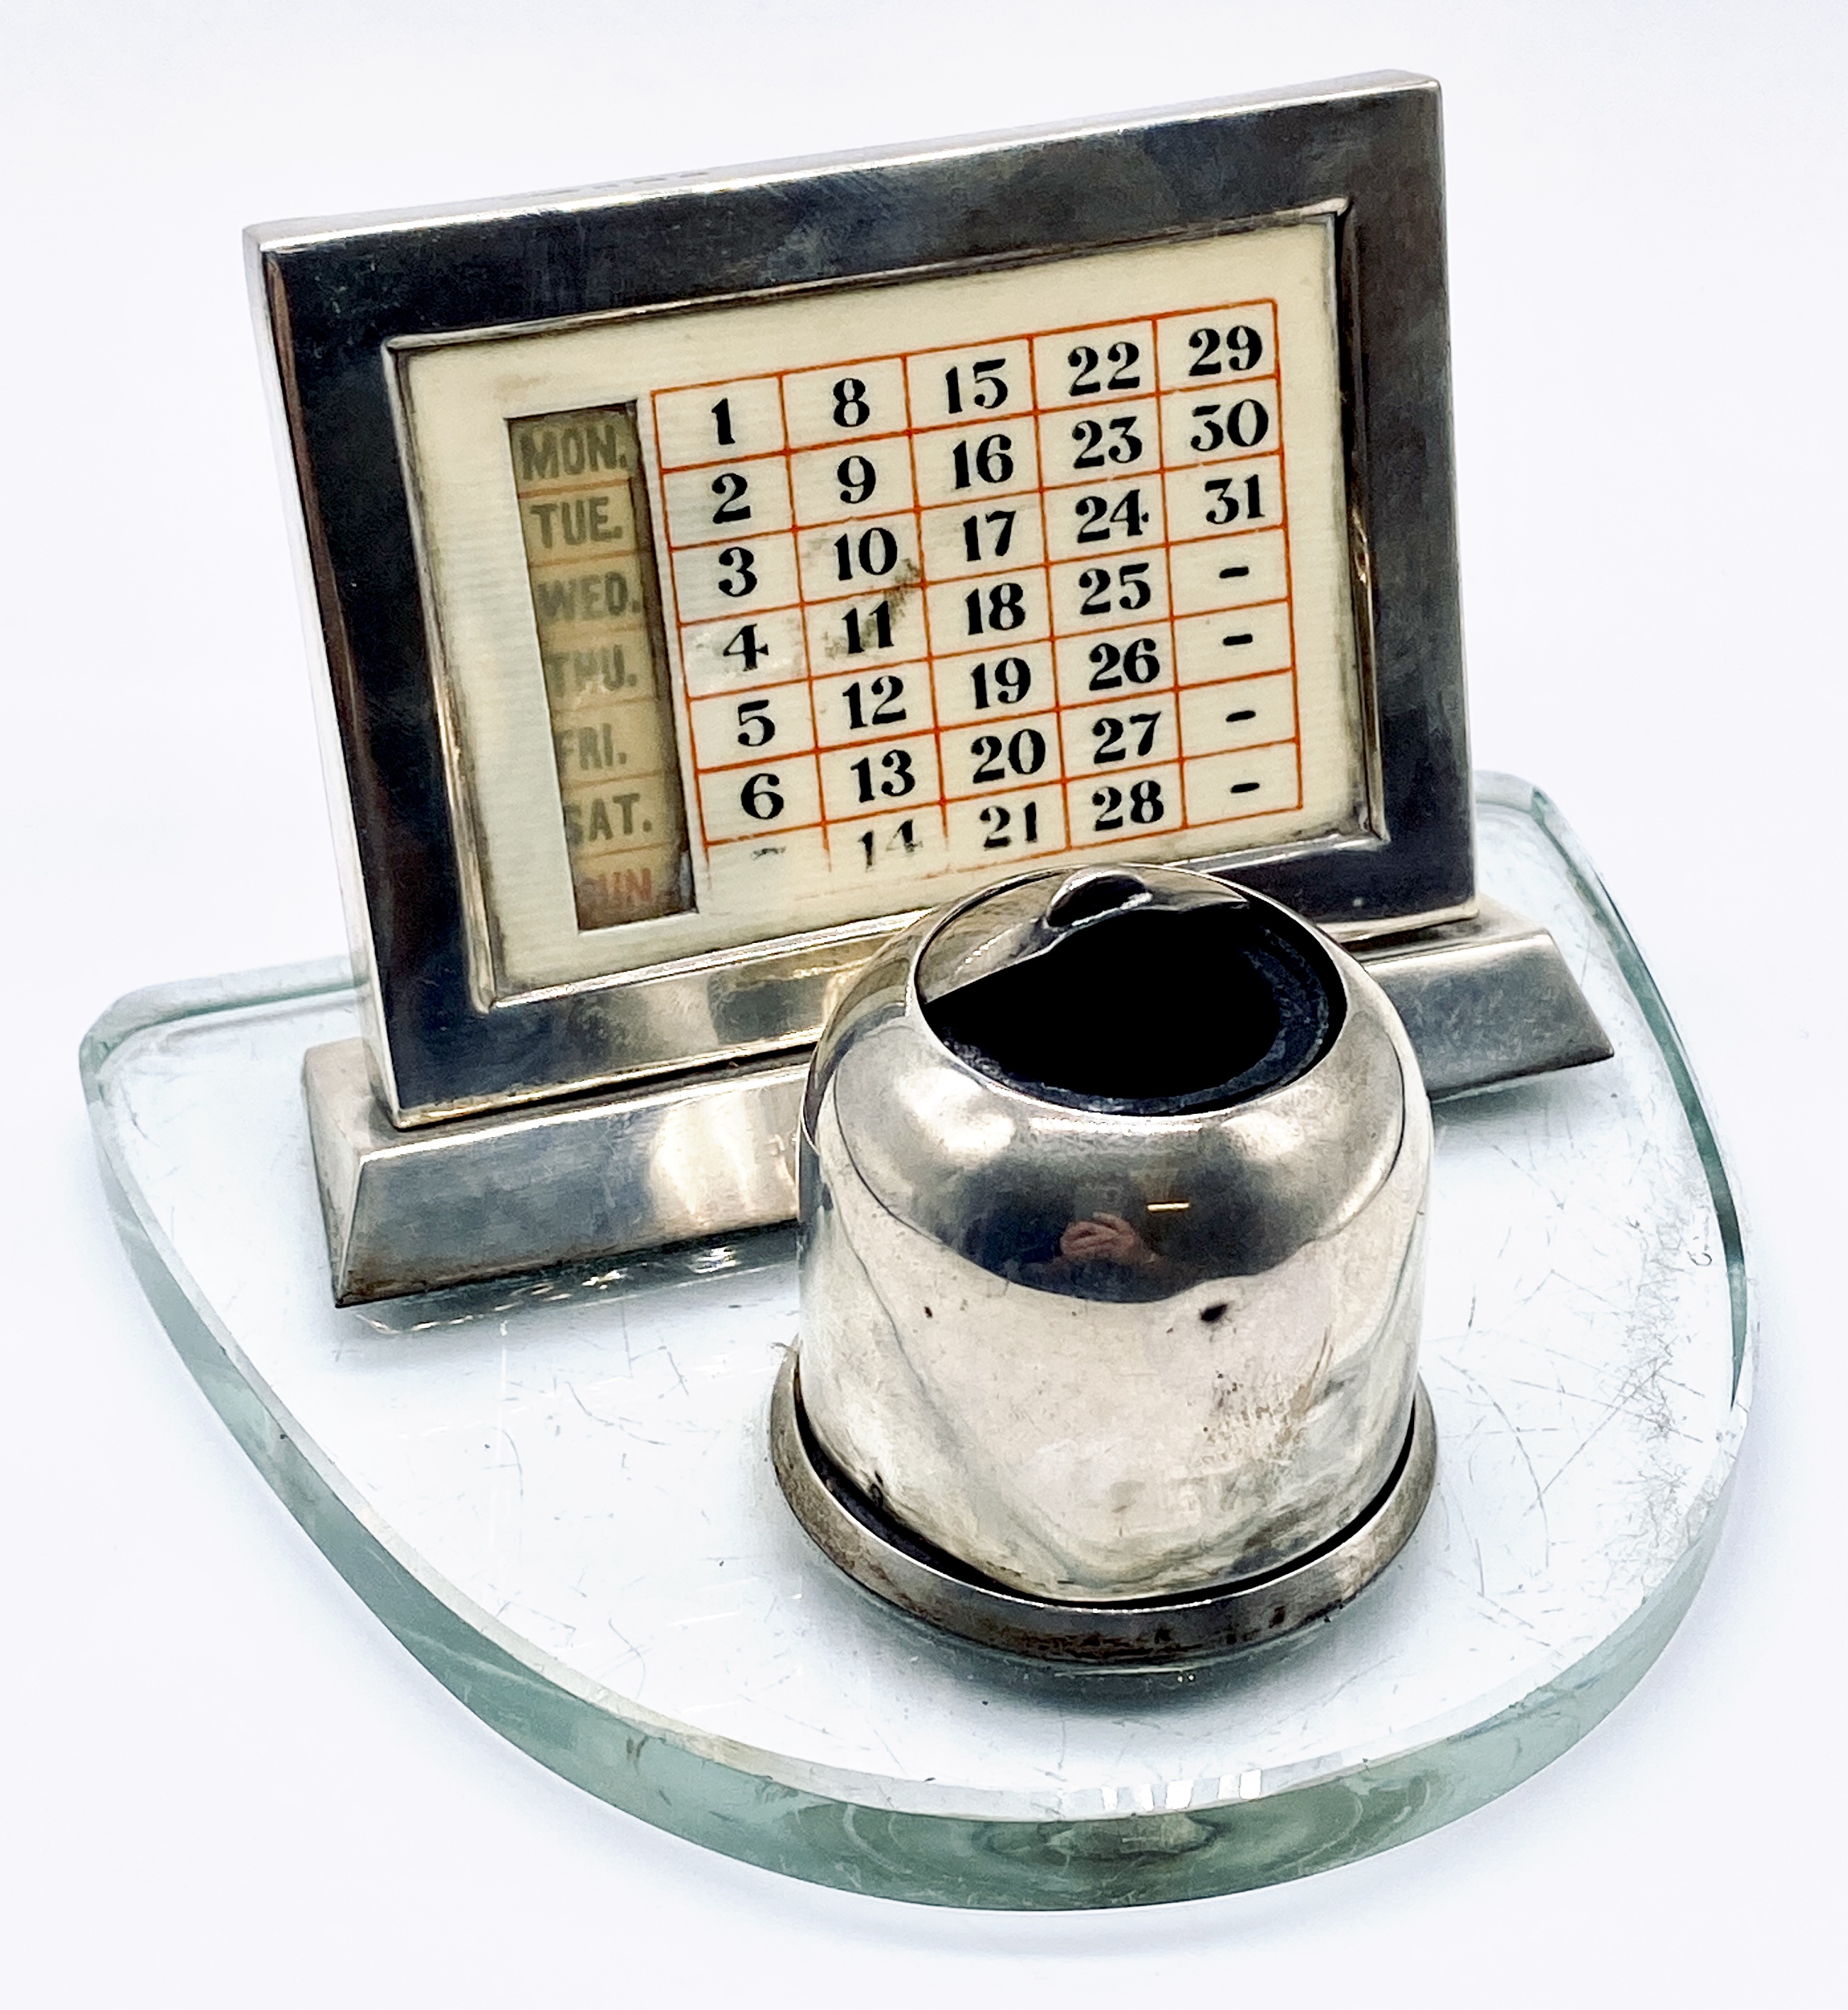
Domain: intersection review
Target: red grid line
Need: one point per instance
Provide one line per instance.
(784, 452)
(789, 486)
(1250, 530)
(753, 613)
(911, 451)
(1289, 582)
(671, 601)
(1052, 612)
(782, 830)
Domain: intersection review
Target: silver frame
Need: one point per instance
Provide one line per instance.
(340, 298)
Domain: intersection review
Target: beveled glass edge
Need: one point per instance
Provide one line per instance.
(1510, 792)
(199, 997)
(951, 1860)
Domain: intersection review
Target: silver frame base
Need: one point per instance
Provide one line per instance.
(713, 1153)
(905, 1572)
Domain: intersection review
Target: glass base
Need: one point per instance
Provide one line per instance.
(557, 1490)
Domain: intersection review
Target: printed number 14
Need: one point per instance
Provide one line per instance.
(905, 835)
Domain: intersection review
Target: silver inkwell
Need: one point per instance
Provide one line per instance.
(1113, 1195)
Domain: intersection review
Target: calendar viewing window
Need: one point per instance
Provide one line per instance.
(590, 563)
(760, 618)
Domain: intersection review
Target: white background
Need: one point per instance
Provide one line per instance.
(226, 1785)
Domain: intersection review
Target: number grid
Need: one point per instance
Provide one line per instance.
(839, 707)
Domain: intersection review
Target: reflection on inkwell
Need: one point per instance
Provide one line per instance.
(1224, 1008)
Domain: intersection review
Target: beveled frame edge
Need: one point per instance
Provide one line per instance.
(334, 295)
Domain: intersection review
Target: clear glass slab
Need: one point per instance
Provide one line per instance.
(557, 1492)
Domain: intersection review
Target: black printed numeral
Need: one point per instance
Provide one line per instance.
(1000, 608)
(1235, 497)
(1095, 583)
(745, 646)
(1090, 435)
(857, 477)
(1138, 664)
(874, 554)
(1010, 681)
(1024, 753)
(992, 462)
(1003, 523)
(1145, 805)
(886, 710)
(998, 816)
(858, 641)
(760, 798)
(1239, 349)
(988, 389)
(730, 490)
(903, 839)
(1246, 424)
(1117, 738)
(899, 779)
(1122, 356)
(1100, 520)
(737, 567)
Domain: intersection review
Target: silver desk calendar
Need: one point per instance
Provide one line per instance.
(717, 575)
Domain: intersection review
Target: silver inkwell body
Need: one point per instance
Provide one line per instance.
(1113, 1195)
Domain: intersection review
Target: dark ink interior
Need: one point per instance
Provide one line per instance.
(1151, 1010)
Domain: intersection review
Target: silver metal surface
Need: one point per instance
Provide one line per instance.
(1486, 1001)
(1112, 1282)
(409, 1211)
(1483, 1001)
(336, 297)
(891, 1562)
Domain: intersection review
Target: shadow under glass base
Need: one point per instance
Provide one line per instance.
(557, 1491)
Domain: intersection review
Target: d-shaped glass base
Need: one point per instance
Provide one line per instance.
(557, 1491)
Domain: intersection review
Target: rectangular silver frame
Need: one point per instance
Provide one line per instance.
(340, 298)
